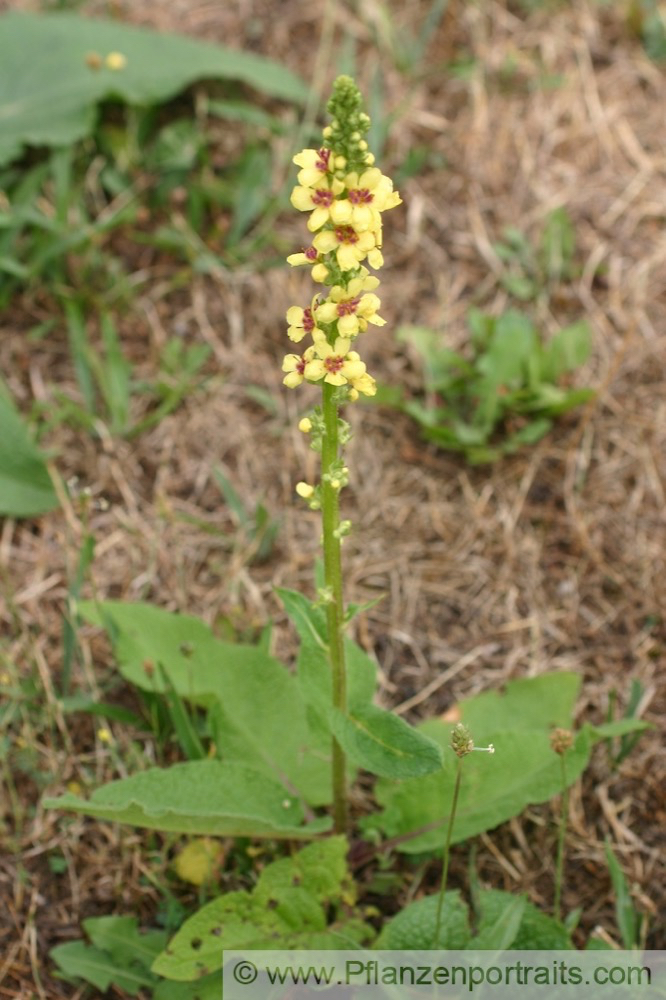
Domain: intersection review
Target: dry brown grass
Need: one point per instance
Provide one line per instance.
(554, 559)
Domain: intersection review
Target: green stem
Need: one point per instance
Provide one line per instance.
(447, 846)
(559, 864)
(330, 510)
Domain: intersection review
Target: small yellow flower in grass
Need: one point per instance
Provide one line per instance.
(335, 364)
(305, 425)
(116, 61)
(301, 321)
(294, 365)
(304, 490)
(351, 247)
(315, 165)
(104, 735)
(321, 201)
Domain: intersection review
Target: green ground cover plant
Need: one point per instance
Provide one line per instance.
(26, 488)
(118, 147)
(505, 395)
(270, 753)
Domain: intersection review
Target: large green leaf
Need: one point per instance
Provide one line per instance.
(384, 744)
(49, 86)
(505, 921)
(26, 489)
(263, 716)
(314, 667)
(523, 770)
(78, 960)
(288, 908)
(527, 703)
(201, 797)
(414, 927)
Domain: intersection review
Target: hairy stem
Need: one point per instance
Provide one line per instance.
(334, 607)
(559, 863)
(447, 847)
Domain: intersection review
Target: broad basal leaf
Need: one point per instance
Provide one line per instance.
(288, 908)
(79, 960)
(413, 929)
(26, 489)
(263, 716)
(200, 797)
(529, 703)
(121, 937)
(54, 73)
(523, 770)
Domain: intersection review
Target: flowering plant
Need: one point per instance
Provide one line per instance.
(345, 194)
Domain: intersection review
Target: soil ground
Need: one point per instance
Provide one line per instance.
(553, 559)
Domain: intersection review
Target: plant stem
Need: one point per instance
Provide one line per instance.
(330, 510)
(447, 846)
(559, 864)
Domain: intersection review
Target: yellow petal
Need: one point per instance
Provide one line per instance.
(320, 273)
(348, 325)
(314, 370)
(309, 176)
(297, 258)
(301, 198)
(306, 158)
(318, 218)
(327, 312)
(295, 316)
(341, 211)
(347, 257)
(325, 242)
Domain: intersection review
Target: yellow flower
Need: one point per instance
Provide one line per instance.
(304, 490)
(352, 310)
(295, 366)
(315, 164)
(309, 256)
(367, 196)
(321, 202)
(351, 247)
(116, 61)
(320, 273)
(364, 383)
(301, 321)
(336, 364)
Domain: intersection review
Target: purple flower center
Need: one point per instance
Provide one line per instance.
(308, 320)
(346, 234)
(322, 196)
(334, 363)
(360, 196)
(322, 162)
(348, 308)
